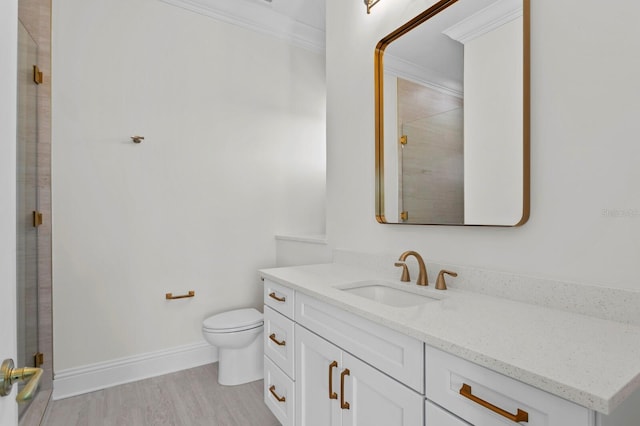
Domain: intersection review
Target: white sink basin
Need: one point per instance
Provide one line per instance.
(388, 293)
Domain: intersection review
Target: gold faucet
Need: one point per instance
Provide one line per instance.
(422, 276)
(440, 282)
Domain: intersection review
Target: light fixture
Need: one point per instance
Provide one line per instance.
(370, 4)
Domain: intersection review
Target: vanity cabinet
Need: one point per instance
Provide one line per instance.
(325, 366)
(334, 388)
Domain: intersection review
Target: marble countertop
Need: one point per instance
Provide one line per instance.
(590, 361)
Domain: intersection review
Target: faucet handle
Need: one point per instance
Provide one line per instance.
(405, 271)
(440, 283)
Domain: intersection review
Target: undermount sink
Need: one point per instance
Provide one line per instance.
(387, 293)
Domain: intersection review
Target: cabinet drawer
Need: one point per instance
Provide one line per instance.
(279, 298)
(436, 416)
(279, 340)
(398, 355)
(491, 397)
(279, 393)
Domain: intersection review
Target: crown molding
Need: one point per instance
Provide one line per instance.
(257, 17)
(410, 71)
(485, 20)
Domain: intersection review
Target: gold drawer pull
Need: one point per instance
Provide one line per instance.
(332, 394)
(272, 389)
(521, 416)
(343, 404)
(170, 296)
(279, 299)
(272, 336)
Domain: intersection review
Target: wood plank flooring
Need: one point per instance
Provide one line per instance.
(187, 398)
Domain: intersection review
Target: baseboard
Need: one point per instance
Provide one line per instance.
(89, 378)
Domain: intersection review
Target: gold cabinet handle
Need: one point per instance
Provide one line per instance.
(279, 299)
(9, 376)
(343, 404)
(272, 389)
(332, 394)
(272, 336)
(521, 416)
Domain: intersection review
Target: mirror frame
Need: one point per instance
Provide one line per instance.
(379, 111)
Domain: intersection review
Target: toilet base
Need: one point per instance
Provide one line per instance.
(239, 366)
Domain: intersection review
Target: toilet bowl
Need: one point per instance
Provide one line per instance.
(238, 336)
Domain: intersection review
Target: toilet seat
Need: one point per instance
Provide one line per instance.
(233, 321)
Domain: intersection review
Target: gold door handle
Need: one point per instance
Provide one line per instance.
(9, 376)
(272, 336)
(279, 299)
(343, 404)
(520, 416)
(332, 394)
(272, 389)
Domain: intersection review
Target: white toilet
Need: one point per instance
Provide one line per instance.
(238, 336)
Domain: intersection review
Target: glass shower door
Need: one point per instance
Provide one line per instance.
(432, 163)
(27, 204)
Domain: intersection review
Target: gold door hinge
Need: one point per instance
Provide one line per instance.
(37, 219)
(403, 139)
(37, 75)
(404, 215)
(38, 359)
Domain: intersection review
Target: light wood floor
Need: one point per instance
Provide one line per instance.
(190, 398)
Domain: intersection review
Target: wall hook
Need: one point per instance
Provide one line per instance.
(137, 139)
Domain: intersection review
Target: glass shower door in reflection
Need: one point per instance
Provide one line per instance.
(27, 204)
(432, 168)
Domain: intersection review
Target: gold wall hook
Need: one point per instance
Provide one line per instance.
(9, 376)
(137, 139)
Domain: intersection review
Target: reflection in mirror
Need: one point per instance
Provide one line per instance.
(452, 143)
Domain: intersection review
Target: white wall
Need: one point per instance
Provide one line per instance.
(8, 78)
(493, 127)
(234, 153)
(584, 146)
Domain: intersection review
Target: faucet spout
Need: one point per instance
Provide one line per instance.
(423, 279)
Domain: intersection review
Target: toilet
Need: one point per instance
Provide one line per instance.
(238, 336)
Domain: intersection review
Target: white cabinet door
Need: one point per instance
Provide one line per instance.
(316, 359)
(375, 399)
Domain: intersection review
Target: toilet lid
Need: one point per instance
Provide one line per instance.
(234, 320)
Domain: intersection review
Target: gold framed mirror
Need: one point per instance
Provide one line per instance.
(452, 116)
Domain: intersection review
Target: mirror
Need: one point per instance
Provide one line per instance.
(452, 116)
